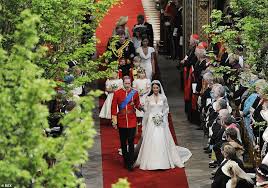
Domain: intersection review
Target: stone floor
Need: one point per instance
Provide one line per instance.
(197, 170)
(92, 170)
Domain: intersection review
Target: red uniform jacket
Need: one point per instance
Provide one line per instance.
(126, 118)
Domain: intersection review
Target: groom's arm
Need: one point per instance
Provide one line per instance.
(114, 109)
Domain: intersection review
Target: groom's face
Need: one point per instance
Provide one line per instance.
(127, 83)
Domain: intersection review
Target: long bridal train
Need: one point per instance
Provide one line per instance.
(157, 149)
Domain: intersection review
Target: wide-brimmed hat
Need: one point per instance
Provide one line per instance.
(232, 165)
(265, 135)
(262, 172)
(122, 20)
(264, 114)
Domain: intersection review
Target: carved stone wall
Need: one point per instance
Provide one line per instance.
(188, 21)
(196, 14)
(203, 13)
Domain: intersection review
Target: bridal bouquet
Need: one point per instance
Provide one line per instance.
(158, 119)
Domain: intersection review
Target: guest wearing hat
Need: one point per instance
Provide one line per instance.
(237, 178)
(262, 173)
(262, 176)
(230, 173)
(144, 28)
(122, 23)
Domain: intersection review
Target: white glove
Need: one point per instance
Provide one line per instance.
(181, 40)
(175, 32)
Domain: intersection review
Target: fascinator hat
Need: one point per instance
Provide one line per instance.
(231, 168)
(262, 172)
(122, 20)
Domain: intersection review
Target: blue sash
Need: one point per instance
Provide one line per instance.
(127, 99)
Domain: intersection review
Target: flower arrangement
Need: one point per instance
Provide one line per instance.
(114, 86)
(141, 92)
(158, 119)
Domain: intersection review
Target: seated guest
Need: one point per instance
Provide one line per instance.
(218, 128)
(205, 98)
(229, 132)
(215, 128)
(248, 106)
(229, 122)
(264, 114)
(221, 177)
(262, 173)
(237, 178)
(233, 61)
(231, 138)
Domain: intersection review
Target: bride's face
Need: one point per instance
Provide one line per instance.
(156, 89)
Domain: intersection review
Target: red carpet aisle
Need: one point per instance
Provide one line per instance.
(111, 161)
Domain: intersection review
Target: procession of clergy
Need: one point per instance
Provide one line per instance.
(222, 105)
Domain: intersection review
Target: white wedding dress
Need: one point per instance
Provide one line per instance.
(157, 149)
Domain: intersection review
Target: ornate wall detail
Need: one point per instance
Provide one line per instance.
(202, 17)
(187, 22)
(196, 14)
(203, 3)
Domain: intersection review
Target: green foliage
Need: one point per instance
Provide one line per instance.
(261, 125)
(63, 28)
(122, 183)
(221, 33)
(247, 27)
(222, 70)
(21, 113)
(27, 73)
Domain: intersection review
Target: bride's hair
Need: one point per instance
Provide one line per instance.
(151, 92)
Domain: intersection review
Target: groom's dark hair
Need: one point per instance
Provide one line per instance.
(151, 92)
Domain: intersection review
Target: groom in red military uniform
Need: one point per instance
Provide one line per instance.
(126, 100)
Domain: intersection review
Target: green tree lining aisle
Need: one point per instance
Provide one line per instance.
(27, 71)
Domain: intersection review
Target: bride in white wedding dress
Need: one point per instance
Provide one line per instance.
(157, 149)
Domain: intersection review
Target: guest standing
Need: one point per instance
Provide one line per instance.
(147, 55)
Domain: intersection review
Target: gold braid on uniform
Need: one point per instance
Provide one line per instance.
(119, 52)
